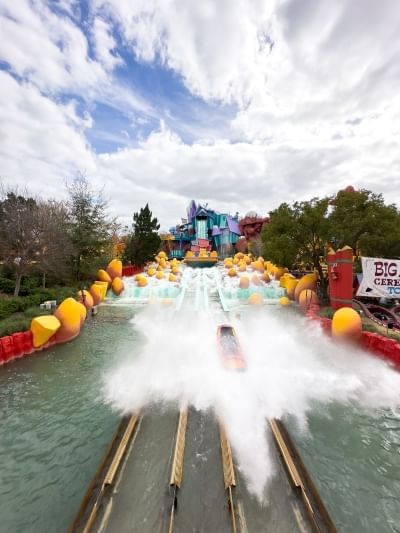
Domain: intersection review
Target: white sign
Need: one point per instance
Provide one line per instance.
(381, 278)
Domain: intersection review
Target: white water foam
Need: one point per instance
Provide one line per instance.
(291, 365)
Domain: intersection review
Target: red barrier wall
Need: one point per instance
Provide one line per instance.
(131, 270)
(374, 343)
(340, 274)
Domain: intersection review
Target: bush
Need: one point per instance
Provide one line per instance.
(14, 325)
(7, 286)
(327, 312)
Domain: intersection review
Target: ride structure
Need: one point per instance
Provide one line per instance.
(203, 229)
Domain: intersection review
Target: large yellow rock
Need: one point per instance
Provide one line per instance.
(242, 266)
(172, 277)
(232, 272)
(229, 264)
(117, 286)
(279, 272)
(114, 268)
(214, 254)
(189, 254)
(258, 265)
(82, 312)
(284, 301)
(307, 298)
(247, 259)
(162, 254)
(69, 314)
(97, 293)
(291, 285)
(346, 324)
(160, 274)
(309, 281)
(175, 270)
(104, 287)
(86, 299)
(43, 328)
(151, 272)
(239, 255)
(102, 275)
(255, 299)
(244, 282)
(269, 266)
(141, 282)
(255, 280)
(227, 260)
(265, 277)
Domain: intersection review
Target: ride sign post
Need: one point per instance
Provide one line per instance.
(381, 278)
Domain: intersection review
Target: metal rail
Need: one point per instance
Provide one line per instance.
(301, 480)
(177, 465)
(229, 474)
(105, 476)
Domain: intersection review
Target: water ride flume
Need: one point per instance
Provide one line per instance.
(230, 349)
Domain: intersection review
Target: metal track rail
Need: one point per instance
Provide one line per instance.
(229, 475)
(301, 480)
(105, 477)
(177, 465)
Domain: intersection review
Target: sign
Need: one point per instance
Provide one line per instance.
(381, 278)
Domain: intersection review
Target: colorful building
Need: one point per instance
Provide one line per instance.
(205, 229)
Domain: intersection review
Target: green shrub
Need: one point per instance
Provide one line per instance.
(7, 286)
(14, 325)
(326, 312)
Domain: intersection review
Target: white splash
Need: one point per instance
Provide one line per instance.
(291, 364)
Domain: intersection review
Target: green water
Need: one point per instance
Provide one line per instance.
(354, 459)
(54, 426)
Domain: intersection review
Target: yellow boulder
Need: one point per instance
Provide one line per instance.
(242, 266)
(162, 254)
(104, 287)
(346, 324)
(175, 270)
(141, 282)
(69, 314)
(291, 285)
(189, 254)
(96, 292)
(278, 272)
(82, 312)
(117, 286)
(255, 299)
(229, 264)
(232, 272)
(309, 281)
(86, 299)
(265, 277)
(214, 254)
(151, 272)
(244, 282)
(247, 259)
(43, 328)
(307, 298)
(172, 277)
(160, 274)
(114, 268)
(284, 300)
(102, 275)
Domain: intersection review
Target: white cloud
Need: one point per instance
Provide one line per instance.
(105, 44)
(49, 50)
(41, 142)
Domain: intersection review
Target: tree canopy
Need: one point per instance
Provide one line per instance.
(302, 232)
(144, 241)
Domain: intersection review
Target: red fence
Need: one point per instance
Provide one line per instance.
(131, 270)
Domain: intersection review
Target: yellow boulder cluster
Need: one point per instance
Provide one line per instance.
(65, 324)
(158, 270)
(302, 291)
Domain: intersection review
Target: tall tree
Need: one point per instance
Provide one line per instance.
(362, 220)
(144, 242)
(298, 233)
(19, 233)
(54, 245)
(90, 227)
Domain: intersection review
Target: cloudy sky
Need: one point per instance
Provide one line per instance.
(239, 103)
